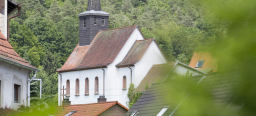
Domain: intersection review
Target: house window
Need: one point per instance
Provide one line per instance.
(162, 112)
(134, 113)
(86, 86)
(16, 93)
(84, 22)
(68, 88)
(95, 21)
(124, 82)
(77, 86)
(199, 64)
(96, 85)
(103, 22)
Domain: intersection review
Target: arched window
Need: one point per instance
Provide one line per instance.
(96, 85)
(84, 22)
(95, 21)
(124, 82)
(77, 86)
(103, 22)
(86, 86)
(67, 88)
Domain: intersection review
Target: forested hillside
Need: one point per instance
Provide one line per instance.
(46, 32)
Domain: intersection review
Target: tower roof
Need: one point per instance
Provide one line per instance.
(94, 5)
(93, 8)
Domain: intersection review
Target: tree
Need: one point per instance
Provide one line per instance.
(68, 10)
(54, 12)
(51, 62)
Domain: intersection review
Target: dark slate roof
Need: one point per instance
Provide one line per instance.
(12, 5)
(135, 53)
(7, 54)
(102, 51)
(153, 100)
(221, 86)
(156, 74)
(93, 5)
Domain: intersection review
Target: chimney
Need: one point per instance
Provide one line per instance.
(91, 22)
(102, 99)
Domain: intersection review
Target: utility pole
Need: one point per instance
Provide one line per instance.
(63, 97)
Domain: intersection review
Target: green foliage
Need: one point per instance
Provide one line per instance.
(133, 97)
(47, 31)
(146, 86)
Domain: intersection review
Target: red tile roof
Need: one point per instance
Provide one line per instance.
(75, 58)
(7, 54)
(209, 61)
(102, 51)
(135, 53)
(93, 109)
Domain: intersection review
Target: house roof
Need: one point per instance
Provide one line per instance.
(75, 58)
(103, 49)
(2, 6)
(209, 64)
(135, 53)
(156, 74)
(220, 86)
(93, 109)
(159, 72)
(12, 5)
(152, 102)
(7, 54)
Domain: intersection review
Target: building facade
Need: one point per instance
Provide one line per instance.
(14, 77)
(102, 68)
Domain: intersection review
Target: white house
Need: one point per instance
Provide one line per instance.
(106, 61)
(159, 72)
(14, 77)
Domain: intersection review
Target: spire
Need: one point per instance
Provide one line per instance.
(94, 5)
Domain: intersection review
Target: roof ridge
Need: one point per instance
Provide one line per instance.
(120, 28)
(93, 103)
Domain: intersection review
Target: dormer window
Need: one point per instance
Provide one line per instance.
(84, 22)
(95, 21)
(103, 22)
(200, 64)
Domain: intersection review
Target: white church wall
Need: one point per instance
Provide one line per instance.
(152, 56)
(10, 75)
(82, 75)
(113, 81)
(125, 71)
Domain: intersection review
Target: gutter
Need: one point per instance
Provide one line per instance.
(131, 72)
(9, 18)
(17, 64)
(60, 86)
(103, 81)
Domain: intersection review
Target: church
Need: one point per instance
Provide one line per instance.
(105, 61)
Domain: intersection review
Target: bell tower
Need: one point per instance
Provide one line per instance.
(91, 22)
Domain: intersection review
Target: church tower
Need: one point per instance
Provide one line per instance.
(91, 22)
